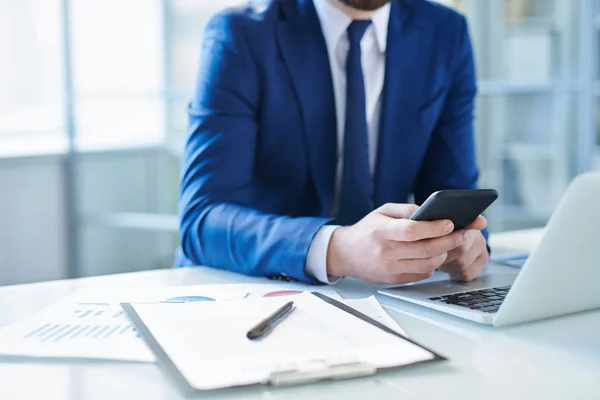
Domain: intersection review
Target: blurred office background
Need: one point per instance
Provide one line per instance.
(93, 98)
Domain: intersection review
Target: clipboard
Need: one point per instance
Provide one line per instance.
(287, 377)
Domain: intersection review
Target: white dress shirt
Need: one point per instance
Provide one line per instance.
(334, 23)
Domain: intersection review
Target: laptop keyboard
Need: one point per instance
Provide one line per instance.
(485, 300)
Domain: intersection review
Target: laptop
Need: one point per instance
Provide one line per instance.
(561, 276)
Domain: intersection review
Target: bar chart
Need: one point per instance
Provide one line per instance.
(88, 321)
(64, 332)
(96, 313)
(91, 324)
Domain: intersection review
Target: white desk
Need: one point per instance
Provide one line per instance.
(554, 359)
(517, 241)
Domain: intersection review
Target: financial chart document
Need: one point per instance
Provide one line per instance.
(92, 325)
(76, 330)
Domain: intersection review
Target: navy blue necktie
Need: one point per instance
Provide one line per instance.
(356, 197)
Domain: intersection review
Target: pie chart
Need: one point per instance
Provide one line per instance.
(282, 293)
(188, 299)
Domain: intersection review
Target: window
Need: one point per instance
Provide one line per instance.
(527, 116)
(118, 72)
(31, 111)
(134, 65)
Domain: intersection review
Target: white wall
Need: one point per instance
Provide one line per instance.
(32, 220)
(33, 240)
(117, 182)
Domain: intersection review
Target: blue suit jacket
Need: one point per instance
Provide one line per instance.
(259, 166)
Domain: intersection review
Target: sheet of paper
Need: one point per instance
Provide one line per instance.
(91, 324)
(75, 330)
(371, 307)
(208, 344)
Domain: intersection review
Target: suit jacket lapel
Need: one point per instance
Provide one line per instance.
(304, 52)
(400, 117)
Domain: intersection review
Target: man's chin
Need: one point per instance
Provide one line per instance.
(365, 5)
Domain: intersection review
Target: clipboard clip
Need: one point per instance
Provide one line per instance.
(328, 372)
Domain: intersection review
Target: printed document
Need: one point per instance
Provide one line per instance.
(207, 342)
(92, 325)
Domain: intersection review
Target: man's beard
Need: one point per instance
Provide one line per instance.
(365, 5)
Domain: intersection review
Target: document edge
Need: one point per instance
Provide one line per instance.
(344, 307)
(162, 358)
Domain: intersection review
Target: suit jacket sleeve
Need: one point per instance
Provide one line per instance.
(220, 222)
(450, 162)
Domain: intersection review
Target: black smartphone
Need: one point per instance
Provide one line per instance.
(461, 207)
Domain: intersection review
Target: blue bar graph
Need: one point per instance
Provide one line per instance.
(49, 331)
(101, 331)
(36, 331)
(59, 333)
(85, 314)
(79, 332)
(100, 312)
(113, 330)
(66, 333)
(94, 329)
(118, 314)
(56, 332)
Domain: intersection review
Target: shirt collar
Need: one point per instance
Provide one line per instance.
(334, 23)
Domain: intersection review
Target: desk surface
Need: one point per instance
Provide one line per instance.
(558, 358)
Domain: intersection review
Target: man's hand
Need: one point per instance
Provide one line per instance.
(386, 247)
(470, 258)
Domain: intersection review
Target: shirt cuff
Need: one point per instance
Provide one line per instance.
(316, 260)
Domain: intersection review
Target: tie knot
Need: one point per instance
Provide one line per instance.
(357, 30)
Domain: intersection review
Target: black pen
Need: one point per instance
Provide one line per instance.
(264, 327)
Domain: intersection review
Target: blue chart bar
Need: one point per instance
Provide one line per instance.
(94, 329)
(118, 314)
(36, 331)
(79, 332)
(85, 314)
(101, 331)
(50, 331)
(99, 313)
(109, 333)
(66, 333)
(56, 332)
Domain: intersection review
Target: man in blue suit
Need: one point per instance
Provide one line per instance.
(312, 123)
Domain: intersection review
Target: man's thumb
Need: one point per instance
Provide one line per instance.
(395, 210)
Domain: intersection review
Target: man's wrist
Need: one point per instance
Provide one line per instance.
(335, 264)
(316, 259)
